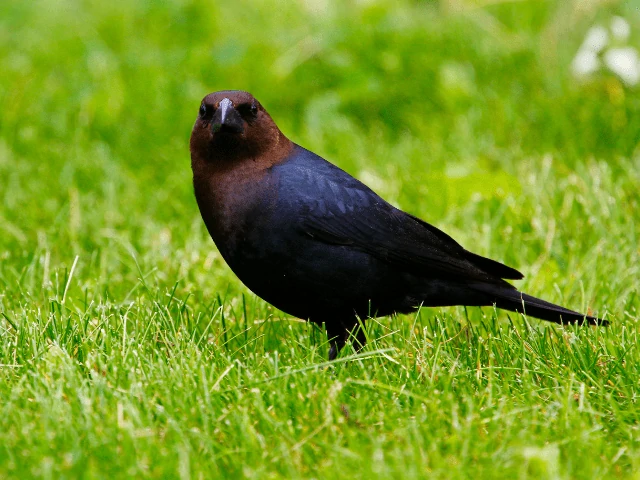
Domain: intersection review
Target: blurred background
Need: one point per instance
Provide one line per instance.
(484, 117)
(127, 346)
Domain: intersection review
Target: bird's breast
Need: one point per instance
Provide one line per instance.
(233, 205)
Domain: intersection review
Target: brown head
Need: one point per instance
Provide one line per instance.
(231, 127)
(233, 144)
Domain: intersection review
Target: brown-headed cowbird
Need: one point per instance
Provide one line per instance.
(318, 244)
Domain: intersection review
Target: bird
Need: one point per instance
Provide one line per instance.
(318, 244)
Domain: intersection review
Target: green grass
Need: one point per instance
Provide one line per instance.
(129, 349)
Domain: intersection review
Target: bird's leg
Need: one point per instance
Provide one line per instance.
(358, 338)
(339, 334)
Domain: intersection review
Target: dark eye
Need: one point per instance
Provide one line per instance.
(247, 109)
(204, 110)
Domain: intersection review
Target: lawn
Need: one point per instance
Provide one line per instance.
(129, 349)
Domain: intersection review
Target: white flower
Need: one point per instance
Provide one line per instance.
(596, 39)
(620, 28)
(585, 63)
(624, 62)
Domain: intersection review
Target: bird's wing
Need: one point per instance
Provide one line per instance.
(337, 209)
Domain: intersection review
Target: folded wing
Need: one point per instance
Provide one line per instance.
(340, 210)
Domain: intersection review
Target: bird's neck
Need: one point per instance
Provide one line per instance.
(228, 191)
(225, 161)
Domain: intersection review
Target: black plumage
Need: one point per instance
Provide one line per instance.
(317, 243)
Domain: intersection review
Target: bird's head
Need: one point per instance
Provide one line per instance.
(232, 126)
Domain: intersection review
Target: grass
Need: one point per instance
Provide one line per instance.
(129, 349)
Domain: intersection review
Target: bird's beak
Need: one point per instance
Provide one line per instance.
(227, 119)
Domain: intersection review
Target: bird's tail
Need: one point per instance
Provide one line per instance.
(511, 299)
